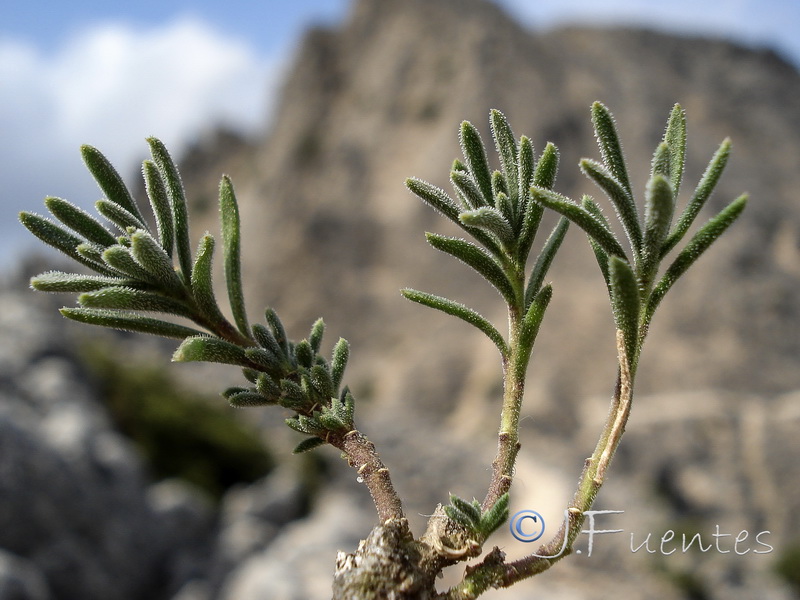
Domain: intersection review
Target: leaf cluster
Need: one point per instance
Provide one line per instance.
(497, 210)
(479, 524)
(140, 271)
(633, 277)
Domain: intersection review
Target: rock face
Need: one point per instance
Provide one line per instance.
(329, 230)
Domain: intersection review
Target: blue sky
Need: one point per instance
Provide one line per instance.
(112, 73)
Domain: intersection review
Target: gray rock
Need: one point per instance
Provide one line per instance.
(20, 579)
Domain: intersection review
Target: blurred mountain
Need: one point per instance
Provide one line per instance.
(330, 230)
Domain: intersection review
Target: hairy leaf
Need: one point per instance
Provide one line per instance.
(703, 191)
(490, 220)
(58, 281)
(620, 197)
(231, 240)
(659, 207)
(202, 287)
(475, 155)
(706, 236)
(675, 137)
(315, 337)
(128, 322)
(478, 259)
(152, 257)
(610, 148)
(204, 348)
(458, 310)
(118, 215)
(507, 151)
(159, 201)
(465, 184)
(110, 181)
(79, 221)
(547, 167)
(60, 239)
(308, 444)
(625, 302)
(495, 516)
(593, 226)
(248, 399)
(545, 259)
(341, 352)
(124, 298)
(177, 199)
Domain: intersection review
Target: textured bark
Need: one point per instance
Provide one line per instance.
(390, 564)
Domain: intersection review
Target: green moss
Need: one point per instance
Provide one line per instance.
(179, 433)
(788, 566)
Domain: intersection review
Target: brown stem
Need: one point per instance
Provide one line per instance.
(362, 456)
(495, 572)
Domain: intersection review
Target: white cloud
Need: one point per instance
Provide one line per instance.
(111, 86)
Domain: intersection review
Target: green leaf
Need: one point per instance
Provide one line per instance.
(152, 257)
(341, 352)
(60, 239)
(625, 303)
(620, 197)
(435, 197)
(533, 318)
(128, 322)
(330, 421)
(594, 227)
(458, 310)
(507, 151)
(265, 359)
(248, 399)
(267, 387)
(278, 332)
(292, 395)
(477, 258)
(159, 202)
(675, 137)
(531, 220)
(525, 166)
(308, 444)
(490, 220)
(706, 236)
(120, 258)
(661, 164)
(322, 382)
(610, 148)
(303, 425)
(79, 221)
(547, 167)
(601, 255)
(202, 286)
(203, 348)
(545, 259)
(304, 354)
(475, 155)
(177, 199)
(703, 191)
(315, 337)
(110, 181)
(266, 340)
(495, 516)
(462, 519)
(659, 207)
(118, 215)
(57, 281)
(124, 298)
(472, 512)
(465, 184)
(231, 234)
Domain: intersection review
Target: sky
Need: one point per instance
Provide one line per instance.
(111, 73)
